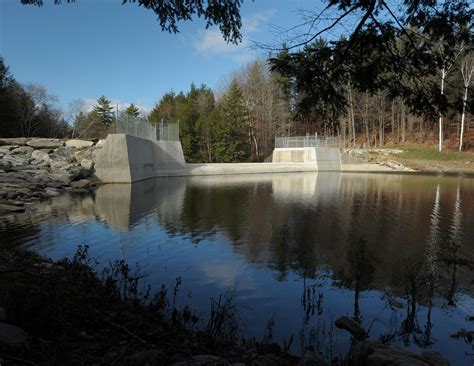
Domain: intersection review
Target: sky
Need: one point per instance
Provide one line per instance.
(101, 47)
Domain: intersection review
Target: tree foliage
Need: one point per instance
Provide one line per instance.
(28, 110)
(223, 13)
(104, 110)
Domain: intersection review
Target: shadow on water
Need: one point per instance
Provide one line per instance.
(394, 252)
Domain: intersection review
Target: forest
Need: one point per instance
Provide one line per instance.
(405, 80)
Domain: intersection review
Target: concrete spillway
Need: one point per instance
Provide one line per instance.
(126, 159)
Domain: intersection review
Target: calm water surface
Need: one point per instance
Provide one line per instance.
(395, 252)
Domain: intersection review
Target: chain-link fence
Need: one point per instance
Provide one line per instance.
(141, 127)
(306, 141)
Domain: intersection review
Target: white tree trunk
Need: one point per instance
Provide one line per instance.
(464, 101)
(440, 122)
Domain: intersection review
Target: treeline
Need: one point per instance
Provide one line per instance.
(239, 124)
(28, 110)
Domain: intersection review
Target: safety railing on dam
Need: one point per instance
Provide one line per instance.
(141, 127)
(306, 141)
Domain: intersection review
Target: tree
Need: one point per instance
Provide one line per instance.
(232, 131)
(223, 13)
(104, 110)
(384, 42)
(467, 71)
(132, 111)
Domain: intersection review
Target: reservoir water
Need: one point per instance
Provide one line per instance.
(395, 252)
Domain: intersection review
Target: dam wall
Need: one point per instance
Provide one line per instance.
(325, 158)
(126, 159)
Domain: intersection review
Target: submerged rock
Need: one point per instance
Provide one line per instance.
(12, 337)
(352, 327)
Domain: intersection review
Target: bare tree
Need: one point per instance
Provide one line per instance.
(467, 70)
(76, 107)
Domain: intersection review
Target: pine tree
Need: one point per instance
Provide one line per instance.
(104, 110)
(232, 131)
(132, 110)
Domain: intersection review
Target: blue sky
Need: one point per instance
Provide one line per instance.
(99, 47)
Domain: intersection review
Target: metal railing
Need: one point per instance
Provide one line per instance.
(141, 127)
(306, 141)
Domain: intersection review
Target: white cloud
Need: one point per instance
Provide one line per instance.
(210, 42)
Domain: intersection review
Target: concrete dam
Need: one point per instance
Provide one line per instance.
(124, 158)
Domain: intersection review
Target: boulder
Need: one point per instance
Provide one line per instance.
(79, 144)
(81, 183)
(146, 358)
(64, 153)
(5, 165)
(87, 164)
(374, 353)
(311, 358)
(23, 150)
(13, 337)
(59, 165)
(45, 143)
(21, 141)
(40, 155)
(434, 358)
(100, 143)
(78, 172)
(352, 327)
(204, 360)
(52, 192)
(5, 208)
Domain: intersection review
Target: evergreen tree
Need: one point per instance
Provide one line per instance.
(132, 110)
(232, 127)
(104, 111)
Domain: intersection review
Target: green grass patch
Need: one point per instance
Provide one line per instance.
(431, 153)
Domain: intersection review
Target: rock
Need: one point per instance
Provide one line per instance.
(146, 358)
(78, 172)
(45, 143)
(81, 183)
(24, 150)
(60, 165)
(13, 337)
(434, 358)
(62, 177)
(64, 153)
(40, 155)
(51, 192)
(4, 208)
(3, 315)
(377, 354)
(203, 360)
(87, 164)
(78, 144)
(352, 327)
(13, 141)
(84, 154)
(5, 165)
(311, 358)
(100, 143)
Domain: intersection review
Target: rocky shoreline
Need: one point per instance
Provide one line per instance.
(93, 319)
(35, 169)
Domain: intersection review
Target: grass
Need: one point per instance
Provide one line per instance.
(431, 153)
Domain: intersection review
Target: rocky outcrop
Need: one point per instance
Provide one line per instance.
(366, 351)
(35, 169)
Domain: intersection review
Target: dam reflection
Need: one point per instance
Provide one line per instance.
(392, 251)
